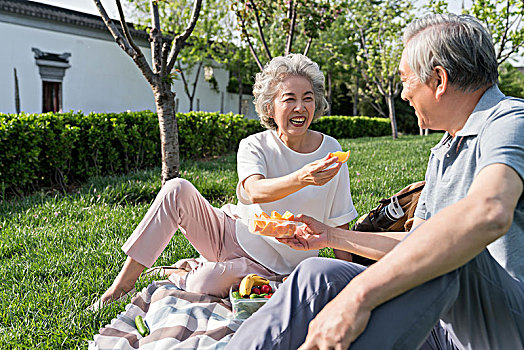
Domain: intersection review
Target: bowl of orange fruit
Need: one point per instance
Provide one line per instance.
(274, 225)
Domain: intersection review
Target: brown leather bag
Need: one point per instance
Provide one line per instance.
(380, 219)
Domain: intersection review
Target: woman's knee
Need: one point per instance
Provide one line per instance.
(210, 278)
(180, 188)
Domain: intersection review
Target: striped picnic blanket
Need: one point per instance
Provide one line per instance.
(177, 320)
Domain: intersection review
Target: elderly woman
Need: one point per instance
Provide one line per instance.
(283, 168)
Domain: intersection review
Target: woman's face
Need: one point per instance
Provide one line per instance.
(294, 106)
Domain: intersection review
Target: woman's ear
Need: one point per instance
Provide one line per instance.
(441, 83)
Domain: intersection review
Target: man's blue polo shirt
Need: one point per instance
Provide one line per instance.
(493, 133)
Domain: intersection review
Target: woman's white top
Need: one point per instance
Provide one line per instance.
(265, 154)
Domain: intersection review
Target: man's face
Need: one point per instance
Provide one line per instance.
(420, 96)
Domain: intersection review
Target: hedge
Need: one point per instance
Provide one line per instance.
(51, 150)
(345, 127)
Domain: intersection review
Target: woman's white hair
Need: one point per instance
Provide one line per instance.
(268, 83)
(460, 44)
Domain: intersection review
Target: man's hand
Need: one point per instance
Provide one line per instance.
(338, 324)
(312, 235)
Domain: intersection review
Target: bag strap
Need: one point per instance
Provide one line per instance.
(405, 194)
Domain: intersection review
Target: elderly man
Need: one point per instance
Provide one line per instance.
(462, 266)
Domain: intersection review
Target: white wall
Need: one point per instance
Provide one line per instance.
(102, 78)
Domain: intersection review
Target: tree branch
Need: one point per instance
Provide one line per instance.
(155, 36)
(254, 54)
(125, 28)
(181, 39)
(165, 53)
(250, 45)
(119, 38)
(137, 56)
(292, 14)
(308, 45)
(260, 32)
(184, 81)
(196, 78)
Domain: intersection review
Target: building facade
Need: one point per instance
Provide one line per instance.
(56, 59)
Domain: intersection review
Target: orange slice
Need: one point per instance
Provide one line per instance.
(342, 156)
(288, 216)
(282, 230)
(260, 224)
(269, 229)
(252, 226)
(275, 215)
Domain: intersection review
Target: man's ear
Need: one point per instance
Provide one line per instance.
(441, 81)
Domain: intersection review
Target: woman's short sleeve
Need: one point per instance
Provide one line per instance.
(250, 160)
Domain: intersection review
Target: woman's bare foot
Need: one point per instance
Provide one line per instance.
(123, 283)
(115, 292)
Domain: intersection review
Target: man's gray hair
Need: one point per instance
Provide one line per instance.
(268, 83)
(460, 44)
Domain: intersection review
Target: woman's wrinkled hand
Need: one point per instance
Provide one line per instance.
(317, 173)
(313, 235)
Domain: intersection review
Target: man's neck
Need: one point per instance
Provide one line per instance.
(460, 106)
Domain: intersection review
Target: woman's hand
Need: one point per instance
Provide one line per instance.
(262, 190)
(317, 173)
(312, 235)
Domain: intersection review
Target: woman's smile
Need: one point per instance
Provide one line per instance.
(294, 108)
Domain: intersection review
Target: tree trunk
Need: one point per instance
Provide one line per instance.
(392, 119)
(17, 94)
(192, 96)
(355, 94)
(240, 93)
(165, 108)
(329, 92)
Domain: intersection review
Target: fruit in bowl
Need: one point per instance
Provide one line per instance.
(250, 295)
(274, 225)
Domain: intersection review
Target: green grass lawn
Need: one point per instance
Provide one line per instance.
(59, 252)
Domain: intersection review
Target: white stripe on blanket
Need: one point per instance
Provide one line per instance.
(177, 320)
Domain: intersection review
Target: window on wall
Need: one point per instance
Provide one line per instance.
(52, 93)
(52, 68)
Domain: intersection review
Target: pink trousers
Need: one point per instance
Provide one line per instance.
(211, 231)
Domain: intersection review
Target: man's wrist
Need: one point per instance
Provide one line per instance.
(331, 237)
(361, 295)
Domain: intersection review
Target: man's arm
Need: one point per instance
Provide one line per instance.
(373, 245)
(316, 235)
(441, 244)
(342, 254)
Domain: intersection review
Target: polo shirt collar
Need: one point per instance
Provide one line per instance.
(482, 111)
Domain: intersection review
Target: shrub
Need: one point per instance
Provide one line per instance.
(57, 150)
(351, 127)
